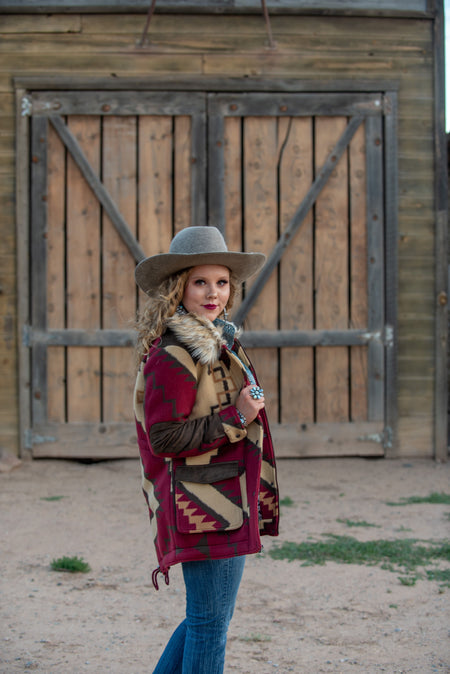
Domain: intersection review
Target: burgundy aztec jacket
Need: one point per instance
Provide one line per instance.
(209, 482)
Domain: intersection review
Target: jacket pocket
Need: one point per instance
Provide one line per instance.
(208, 498)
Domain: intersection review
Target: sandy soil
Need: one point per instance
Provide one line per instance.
(289, 618)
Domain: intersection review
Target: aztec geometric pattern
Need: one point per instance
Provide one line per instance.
(208, 498)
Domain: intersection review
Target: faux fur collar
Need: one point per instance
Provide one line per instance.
(202, 338)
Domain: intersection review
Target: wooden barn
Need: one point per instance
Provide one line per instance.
(311, 130)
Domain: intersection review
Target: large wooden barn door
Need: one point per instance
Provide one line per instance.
(300, 178)
(112, 176)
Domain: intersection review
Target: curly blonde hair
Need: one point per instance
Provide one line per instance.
(151, 321)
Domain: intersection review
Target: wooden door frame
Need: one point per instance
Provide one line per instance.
(116, 439)
(25, 87)
(375, 435)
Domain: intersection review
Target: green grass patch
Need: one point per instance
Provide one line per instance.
(403, 556)
(51, 498)
(356, 523)
(435, 497)
(70, 564)
(286, 501)
(440, 575)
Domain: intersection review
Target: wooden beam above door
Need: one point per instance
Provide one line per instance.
(346, 7)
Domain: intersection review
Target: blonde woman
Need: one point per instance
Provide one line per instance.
(208, 464)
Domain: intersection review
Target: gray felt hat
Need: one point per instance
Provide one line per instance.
(191, 247)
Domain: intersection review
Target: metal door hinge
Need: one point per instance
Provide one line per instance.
(26, 335)
(383, 438)
(384, 336)
(388, 437)
(389, 335)
(32, 439)
(27, 106)
(28, 437)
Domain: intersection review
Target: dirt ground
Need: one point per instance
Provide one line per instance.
(289, 618)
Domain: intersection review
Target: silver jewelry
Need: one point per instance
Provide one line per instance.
(256, 392)
(225, 314)
(242, 419)
(180, 310)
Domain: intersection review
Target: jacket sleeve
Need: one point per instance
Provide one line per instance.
(170, 394)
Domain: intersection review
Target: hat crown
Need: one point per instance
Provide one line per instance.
(192, 246)
(197, 240)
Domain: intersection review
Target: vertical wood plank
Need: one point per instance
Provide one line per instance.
(83, 275)
(182, 173)
(198, 169)
(331, 276)
(118, 286)
(441, 424)
(232, 187)
(358, 273)
(155, 183)
(23, 150)
(39, 264)
(375, 275)
(391, 267)
(216, 168)
(260, 235)
(296, 269)
(56, 242)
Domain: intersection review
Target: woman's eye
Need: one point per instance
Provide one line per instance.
(223, 282)
(199, 282)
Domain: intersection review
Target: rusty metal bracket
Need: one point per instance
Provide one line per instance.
(150, 13)
(272, 44)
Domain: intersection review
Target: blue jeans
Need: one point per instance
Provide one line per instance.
(198, 644)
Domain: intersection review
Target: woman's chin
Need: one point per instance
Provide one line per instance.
(209, 314)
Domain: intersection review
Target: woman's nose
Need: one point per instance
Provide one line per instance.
(212, 292)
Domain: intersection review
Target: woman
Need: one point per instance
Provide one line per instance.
(207, 459)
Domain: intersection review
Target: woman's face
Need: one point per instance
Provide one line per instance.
(207, 290)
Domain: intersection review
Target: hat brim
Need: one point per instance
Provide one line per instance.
(152, 271)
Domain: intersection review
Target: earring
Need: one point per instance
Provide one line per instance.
(180, 310)
(225, 314)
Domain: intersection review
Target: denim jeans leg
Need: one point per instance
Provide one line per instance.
(171, 661)
(211, 591)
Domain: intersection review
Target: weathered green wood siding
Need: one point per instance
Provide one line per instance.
(314, 49)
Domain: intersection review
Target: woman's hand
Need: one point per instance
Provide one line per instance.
(247, 406)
